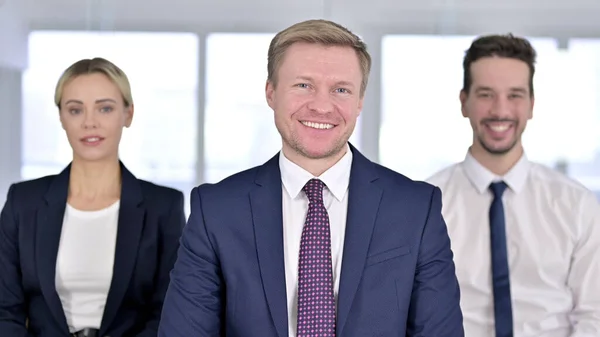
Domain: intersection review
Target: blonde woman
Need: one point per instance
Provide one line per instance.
(88, 252)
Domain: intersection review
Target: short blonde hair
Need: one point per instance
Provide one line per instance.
(323, 32)
(96, 65)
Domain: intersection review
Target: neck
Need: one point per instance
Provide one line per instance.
(497, 164)
(94, 180)
(316, 167)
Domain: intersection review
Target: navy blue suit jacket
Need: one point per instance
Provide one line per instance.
(397, 277)
(151, 219)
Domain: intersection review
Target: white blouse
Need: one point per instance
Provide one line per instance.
(84, 266)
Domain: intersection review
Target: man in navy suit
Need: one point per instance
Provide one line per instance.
(318, 241)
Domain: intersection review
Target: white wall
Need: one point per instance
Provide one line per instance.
(13, 58)
(13, 34)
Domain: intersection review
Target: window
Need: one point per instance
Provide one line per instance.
(574, 115)
(239, 128)
(422, 127)
(160, 146)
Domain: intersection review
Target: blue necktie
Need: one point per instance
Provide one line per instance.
(502, 300)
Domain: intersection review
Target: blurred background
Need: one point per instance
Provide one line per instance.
(198, 70)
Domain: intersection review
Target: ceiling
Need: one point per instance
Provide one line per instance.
(561, 18)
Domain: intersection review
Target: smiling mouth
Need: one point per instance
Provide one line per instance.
(320, 126)
(92, 140)
(499, 126)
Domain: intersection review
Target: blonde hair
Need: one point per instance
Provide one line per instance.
(96, 65)
(323, 32)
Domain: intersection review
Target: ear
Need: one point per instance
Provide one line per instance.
(531, 109)
(463, 96)
(270, 94)
(128, 116)
(361, 103)
(62, 121)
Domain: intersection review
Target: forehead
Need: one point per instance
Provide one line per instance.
(500, 73)
(91, 85)
(310, 59)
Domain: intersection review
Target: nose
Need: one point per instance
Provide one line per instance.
(501, 107)
(89, 119)
(321, 102)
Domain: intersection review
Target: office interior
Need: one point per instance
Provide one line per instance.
(198, 70)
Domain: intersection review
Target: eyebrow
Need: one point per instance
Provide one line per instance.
(103, 100)
(338, 83)
(521, 90)
(513, 89)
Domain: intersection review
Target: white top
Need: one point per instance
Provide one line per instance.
(553, 241)
(84, 266)
(295, 209)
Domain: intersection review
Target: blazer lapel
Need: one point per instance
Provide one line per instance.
(267, 217)
(49, 226)
(363, 205)
(131, 223)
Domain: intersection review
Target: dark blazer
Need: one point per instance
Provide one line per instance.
(151, 219)
(397, 277)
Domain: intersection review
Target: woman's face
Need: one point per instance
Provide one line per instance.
(93, 114)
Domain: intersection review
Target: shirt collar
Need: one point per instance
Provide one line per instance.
(336, 178)
(481, 177)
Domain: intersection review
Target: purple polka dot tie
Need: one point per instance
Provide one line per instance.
(316, 304)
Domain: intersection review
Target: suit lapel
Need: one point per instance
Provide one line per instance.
(363, 205)
(49, 223)
(267, 217)
(129, 231)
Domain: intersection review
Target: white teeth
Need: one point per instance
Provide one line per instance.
(499, 128)
(92, 139)
(313, 125)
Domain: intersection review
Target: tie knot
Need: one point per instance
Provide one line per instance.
(498, 188)
(314, 190)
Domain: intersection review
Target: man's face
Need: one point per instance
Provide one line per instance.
(317, 99)
(498, 104)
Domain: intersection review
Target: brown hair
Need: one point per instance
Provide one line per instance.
(507, 46)
(96, 65)
(322, 32)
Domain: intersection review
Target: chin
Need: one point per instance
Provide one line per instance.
(316, 154)
(320, 151)
(497, 146)
(498, 149)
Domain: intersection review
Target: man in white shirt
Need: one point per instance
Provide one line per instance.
(525, 237)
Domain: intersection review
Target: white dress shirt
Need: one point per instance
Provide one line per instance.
(295, 209)
(84, 265)
(553, 241)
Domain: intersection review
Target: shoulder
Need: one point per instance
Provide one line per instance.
(545, 174)
(559, 185)
(152, 193)
(442, 176)
(398, 184)
(29, 192)
(238, 184)
(159, 191)
(160, 195)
